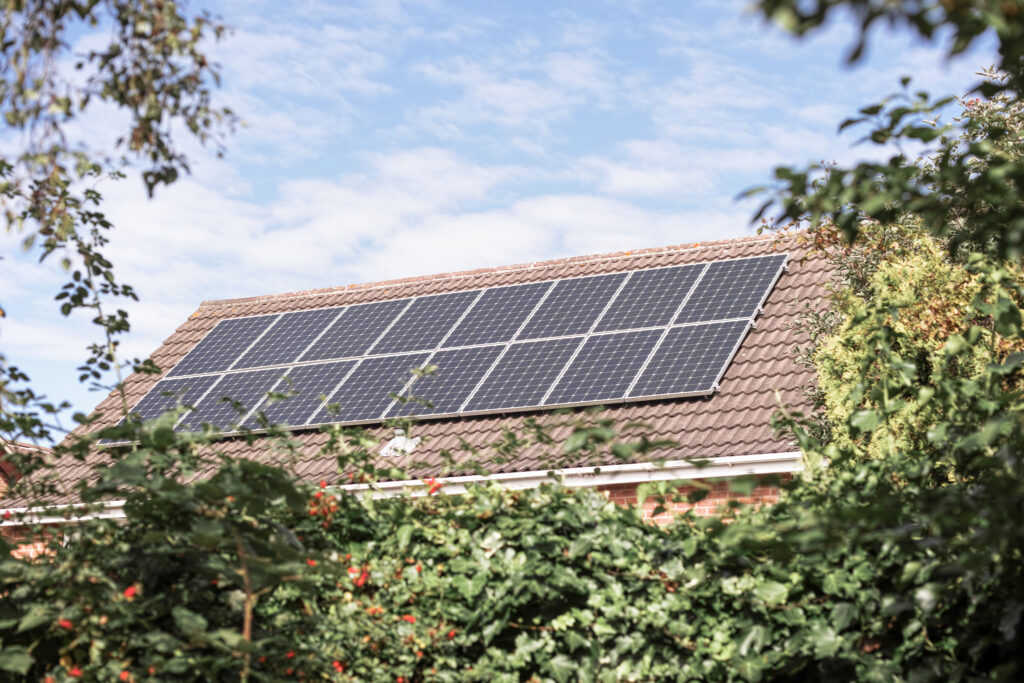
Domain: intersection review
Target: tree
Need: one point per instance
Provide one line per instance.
(899, 560)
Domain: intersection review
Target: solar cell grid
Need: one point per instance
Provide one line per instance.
(551, 343)
(650, 298)
(353, 333)
(458, 371)
(731, 289)
(425, 323)
(222, 345)
(304, 387)
(169, 393)
(690, 359)
(523, 375)
(604, 367)
(244, 388)
(366, 393)
(497, 315)
(288, 338)
(572, 306)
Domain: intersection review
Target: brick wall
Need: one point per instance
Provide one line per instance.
(714, 503)
(25, 544)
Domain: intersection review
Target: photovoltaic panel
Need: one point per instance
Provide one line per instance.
(650, 298)
(222, 345)
(365, 395)
(523, 375)
(604, 367)
(354, 332)
(498, 314)
(732, 289)
(246, 388)
(304, 385)
(425, 323)
(169, 393)
(572, 306)
(690, 359)
(458, 371)
(288, 338)
(519, 347)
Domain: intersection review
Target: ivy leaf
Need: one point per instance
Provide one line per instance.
(772, 592)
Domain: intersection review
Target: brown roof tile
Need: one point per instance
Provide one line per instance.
(735, 421)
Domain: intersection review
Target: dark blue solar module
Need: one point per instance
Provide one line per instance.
(732, 289)
(425, 323)
(286, 340)
(497, 315)
(604, 367)
(646, 334)
(355, 331)
(650, 298)
(303, 386)
(691, 359)
(572, 306)
(222, 345)
(458, 371)
(245, 388)
(185, 392)
(523, 375)
(366, 394)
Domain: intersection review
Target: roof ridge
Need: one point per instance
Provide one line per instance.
(518, 267)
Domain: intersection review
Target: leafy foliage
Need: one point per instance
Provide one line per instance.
(899, 560)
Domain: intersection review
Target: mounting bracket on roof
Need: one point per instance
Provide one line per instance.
(400, 445)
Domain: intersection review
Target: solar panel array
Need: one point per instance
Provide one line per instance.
(646, 334)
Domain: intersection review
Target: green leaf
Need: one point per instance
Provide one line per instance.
(772, 592)
(37, 616)
(561, 667)
(188, 621)
(15, 659)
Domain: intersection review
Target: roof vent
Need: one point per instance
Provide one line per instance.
(400, 445)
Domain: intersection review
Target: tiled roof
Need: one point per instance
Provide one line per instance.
(734, 421)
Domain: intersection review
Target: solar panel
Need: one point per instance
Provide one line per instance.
(645, 334)
(355, 331)
(690, 360)
(497, 315)
(303, 386)
(458, 371)
(288, 338)
(572, 306)
(650, 298)
(604, 368)
(521, 377)
(732, 289)
(169, 393)
(220, 348)
(366, 393)
(218, 408)
(425, 323)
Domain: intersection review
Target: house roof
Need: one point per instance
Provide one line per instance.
(732, 422)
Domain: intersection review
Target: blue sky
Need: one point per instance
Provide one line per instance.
(390, 138)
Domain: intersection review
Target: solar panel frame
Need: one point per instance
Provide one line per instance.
(581, 339)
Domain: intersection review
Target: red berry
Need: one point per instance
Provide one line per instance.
(451, 634)
(311, 562)
(65, 623)
(410, 618)
(290, 654)
(75, 672)
(125, 676)
(323, 484)
(130, 592)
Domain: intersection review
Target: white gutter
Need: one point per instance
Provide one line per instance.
(61, 514)
(634, 473)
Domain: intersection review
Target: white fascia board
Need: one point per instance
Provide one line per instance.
(61, 514)
(633, 473)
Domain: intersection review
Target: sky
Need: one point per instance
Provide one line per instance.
(392, 138)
